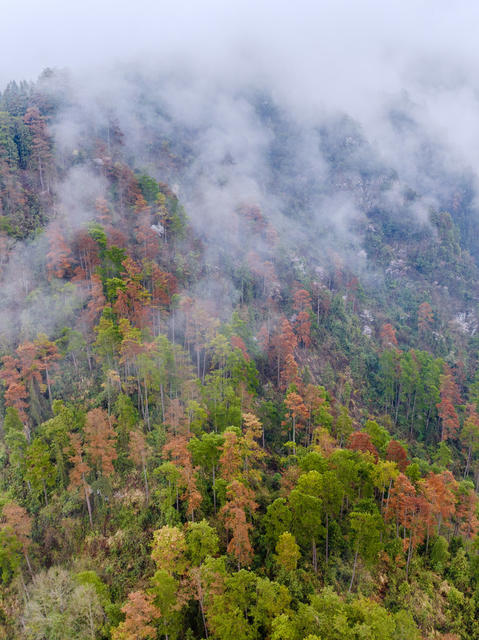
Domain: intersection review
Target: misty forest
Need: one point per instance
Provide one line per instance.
(239, 359)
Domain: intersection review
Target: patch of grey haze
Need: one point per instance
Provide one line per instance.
(249, 92)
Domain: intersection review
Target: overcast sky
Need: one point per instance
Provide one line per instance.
(338, 37)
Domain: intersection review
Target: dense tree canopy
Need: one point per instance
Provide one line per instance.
(259, 448)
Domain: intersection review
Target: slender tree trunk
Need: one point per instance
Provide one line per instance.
(409, 555)
(476, 480)
(354, 570)
(147, 409)
(428, 417)
(27, 560)
(140, 395)
(214, 488)
(91, 621)
(145, 476)
(26, 597)
(439, 523)
(48, 386)
(162, 397)
(40, 171)
(202, 609)
(204, 367)
(88, 504)
(397, 404)
(468, 462)
(108, 401)
(389, 493)
(327, 538)
(413, 412)
(294, 435)
(315, 557)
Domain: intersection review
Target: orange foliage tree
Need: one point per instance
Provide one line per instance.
(361, 441)
(297, 413)
(17, 520)
(425, 317)
(231, 458)
(100, 438)
(283, 345)
(139, 451)
(140, 617)
(239, 503)
(16, 394)
(79, 471)
(466, 520)
(410, 510)
(59, 254)
(85, 250)
(97, 300)
(23, 374)
(397, 453)
(446, 409)
(176, 449)
(440, 491)
(133, 301)
(388, 336)
(302, 305)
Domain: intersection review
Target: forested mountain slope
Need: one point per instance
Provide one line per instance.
(240, 386)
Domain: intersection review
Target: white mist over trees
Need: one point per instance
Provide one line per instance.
(239, 294)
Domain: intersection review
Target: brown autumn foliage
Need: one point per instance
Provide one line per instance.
(297, 412)
(23, 374)
(17, 518)
(283, 344)
(79, 471)
(59, 256)
(141, 616)
(176, 449)
(16, 394)
(425, 317)
(240, 502)
(85, 250)
(397, 453)
(361, 441)
(410, 511)
(97, 300)
(238, 343)
(302, 305)
(440, 490)
(231, 458)
(100, 438)
(290, 373)
(139, 451)
(133, 302)
(388, 336)
(446, 409)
